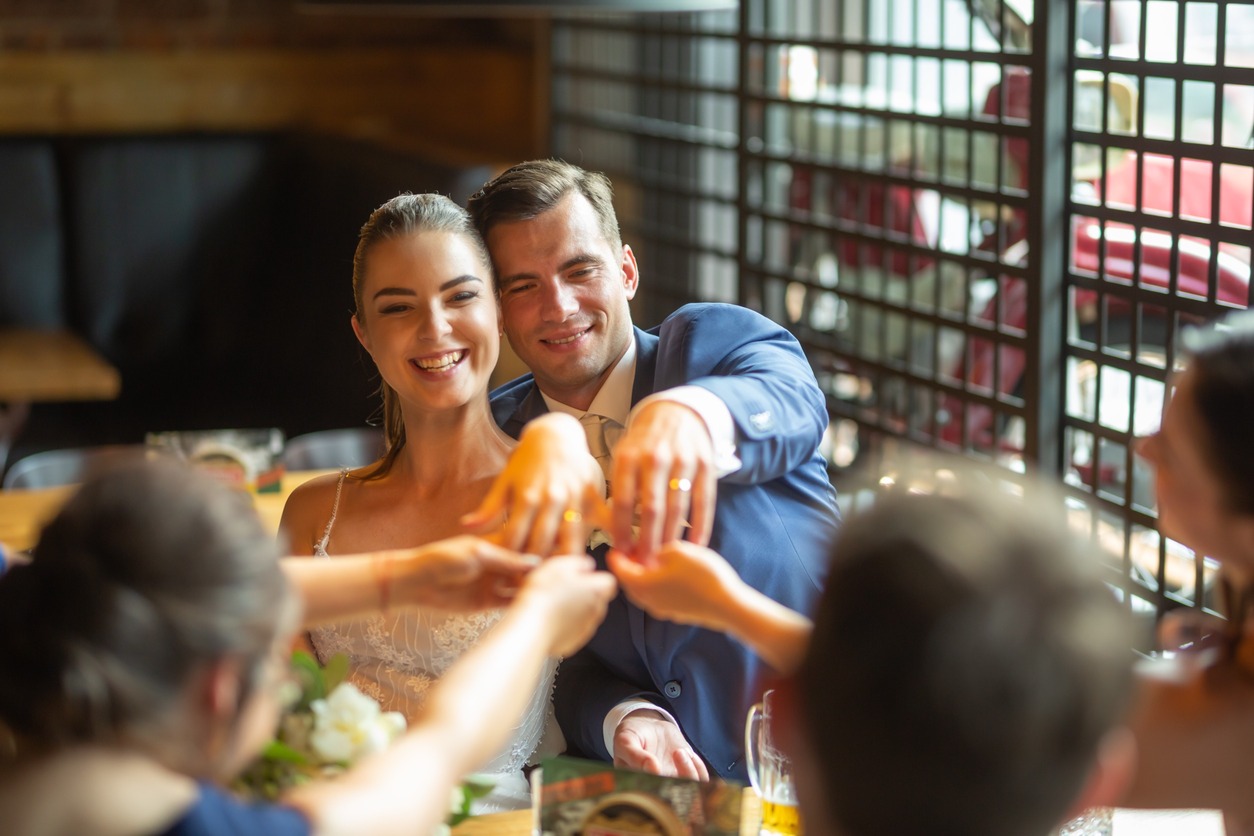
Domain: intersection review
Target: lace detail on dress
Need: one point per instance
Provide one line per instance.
(456, 634)
(395, 657)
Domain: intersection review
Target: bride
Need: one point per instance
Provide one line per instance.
(427, 315)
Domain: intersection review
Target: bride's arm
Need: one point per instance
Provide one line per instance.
(469, 713)
(460, 573)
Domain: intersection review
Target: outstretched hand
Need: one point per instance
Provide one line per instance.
(663, 469)
(691, 584)
(683, 582)
(550, 492)
(571, 597)
(647, 741)
(459, 573)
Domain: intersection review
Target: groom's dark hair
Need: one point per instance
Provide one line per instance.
(530, 189)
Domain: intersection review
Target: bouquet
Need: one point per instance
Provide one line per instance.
(329, 726)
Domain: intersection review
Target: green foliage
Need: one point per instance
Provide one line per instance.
(473, 786)
(280, 752)
(309, 676)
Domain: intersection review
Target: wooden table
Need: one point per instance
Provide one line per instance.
(23, 513)
(47, 365)
(517, 823)
(53, 366)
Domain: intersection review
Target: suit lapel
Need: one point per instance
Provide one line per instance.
(531, 406)
(646, 366)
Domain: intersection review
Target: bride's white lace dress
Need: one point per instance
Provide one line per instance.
(397, 656)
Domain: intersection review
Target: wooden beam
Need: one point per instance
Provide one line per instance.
(53, 366)
(474, 101)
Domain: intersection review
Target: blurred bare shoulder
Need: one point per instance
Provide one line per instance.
(306, 512)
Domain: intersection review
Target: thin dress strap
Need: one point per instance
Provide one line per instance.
(320, 550)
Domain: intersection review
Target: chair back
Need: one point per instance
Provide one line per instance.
(53, 468)
(330, 449)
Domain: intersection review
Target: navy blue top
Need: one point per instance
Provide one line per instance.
(217, 813)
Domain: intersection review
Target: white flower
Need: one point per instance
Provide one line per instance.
(349, 725)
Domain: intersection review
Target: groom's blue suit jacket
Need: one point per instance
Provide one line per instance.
(775, 521)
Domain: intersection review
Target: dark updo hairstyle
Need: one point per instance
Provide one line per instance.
(1221, 362)
(964, 667)
(149, 571)
(405, 214)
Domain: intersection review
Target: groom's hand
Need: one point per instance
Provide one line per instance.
(664, 468)
(647, 741)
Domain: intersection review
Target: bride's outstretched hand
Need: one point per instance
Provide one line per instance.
(550, 493)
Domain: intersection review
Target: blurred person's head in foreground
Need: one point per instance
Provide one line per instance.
(1203, 455)
(154, 616)
(968, 672)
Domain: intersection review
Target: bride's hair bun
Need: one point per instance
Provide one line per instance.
(150, 570)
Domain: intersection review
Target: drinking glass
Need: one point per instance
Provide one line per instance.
(1097, 821)
(771, 772)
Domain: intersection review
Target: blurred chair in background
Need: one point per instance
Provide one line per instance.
(330, 449)
(52, 468)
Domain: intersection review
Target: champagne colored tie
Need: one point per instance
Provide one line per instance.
(594, 429)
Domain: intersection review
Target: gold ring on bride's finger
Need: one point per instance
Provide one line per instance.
(681, 485)
(572, 516)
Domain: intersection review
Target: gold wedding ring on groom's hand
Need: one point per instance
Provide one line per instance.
(681, 485)
(572, 516)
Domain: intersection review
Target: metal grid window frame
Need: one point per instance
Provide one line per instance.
(1160, 260)
(710, 127)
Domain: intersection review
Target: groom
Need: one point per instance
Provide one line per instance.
(724, 453)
